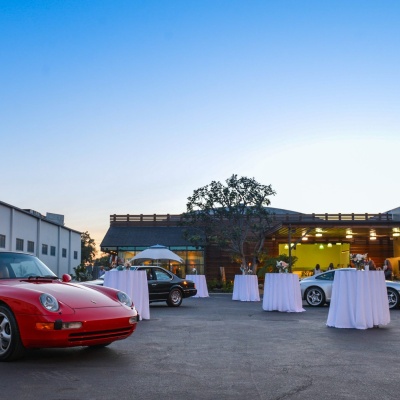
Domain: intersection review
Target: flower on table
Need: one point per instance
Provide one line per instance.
(282, 266)
(246, 270)
(359, 260)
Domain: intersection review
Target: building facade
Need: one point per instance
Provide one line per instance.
(46, 237)
(311, 238)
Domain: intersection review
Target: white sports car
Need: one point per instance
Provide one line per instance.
(316, 290)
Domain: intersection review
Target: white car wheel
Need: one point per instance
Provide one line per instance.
(315, 297)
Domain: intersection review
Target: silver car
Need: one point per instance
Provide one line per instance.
(316, 290)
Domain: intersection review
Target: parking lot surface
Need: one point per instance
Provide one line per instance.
(216, 348)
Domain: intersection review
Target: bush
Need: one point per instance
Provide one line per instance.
(225, 287)
(82, 274)
(214, 284)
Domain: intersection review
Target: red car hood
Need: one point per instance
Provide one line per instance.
(74, 296)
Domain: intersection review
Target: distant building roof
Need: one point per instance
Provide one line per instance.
(144, 236)
(55, 219)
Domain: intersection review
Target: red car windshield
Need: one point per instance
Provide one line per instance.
(14, 265)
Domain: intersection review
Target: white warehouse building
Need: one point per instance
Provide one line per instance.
(46, 237)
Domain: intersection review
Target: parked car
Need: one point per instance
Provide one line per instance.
(163, 285)
(316, 290)
(39, 310)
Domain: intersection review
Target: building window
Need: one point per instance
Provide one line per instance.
(64, 253)
(52, 250)
(19, 245)
(31, 246)
(75, 255)
(45, 249)
(3, 241)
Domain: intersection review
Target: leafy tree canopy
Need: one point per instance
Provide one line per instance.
(232, 215)
(88, 248)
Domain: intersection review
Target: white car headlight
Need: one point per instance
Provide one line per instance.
(49, 302)
(124, 299)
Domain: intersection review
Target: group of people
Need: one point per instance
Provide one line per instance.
(370, 265)
(318, 270)
(387, 268)
(120, 266)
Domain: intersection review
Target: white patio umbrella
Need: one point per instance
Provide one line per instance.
(157, 252)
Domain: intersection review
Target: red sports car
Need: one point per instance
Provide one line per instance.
(37, 309)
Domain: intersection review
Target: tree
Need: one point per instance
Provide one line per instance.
(88, 248)
(232, 215)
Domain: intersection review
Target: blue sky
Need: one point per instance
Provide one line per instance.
(129, 106)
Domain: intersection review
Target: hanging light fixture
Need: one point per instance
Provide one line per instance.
(349, 234)
(372, 234)
(286, 246)
(321, 246)
(329, 244)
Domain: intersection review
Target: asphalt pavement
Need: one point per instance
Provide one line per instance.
(216, 348)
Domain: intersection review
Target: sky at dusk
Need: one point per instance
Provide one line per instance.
(127, 107)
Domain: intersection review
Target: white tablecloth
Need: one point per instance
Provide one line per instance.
(134, 284)
(359, 300)
(282, 293)
(245, 288)
(201, 284)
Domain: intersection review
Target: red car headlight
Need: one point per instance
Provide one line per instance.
(49, 302)
(124, 299)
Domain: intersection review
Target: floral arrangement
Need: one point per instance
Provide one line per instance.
(246, 270)
(359, 260)
(282, 266)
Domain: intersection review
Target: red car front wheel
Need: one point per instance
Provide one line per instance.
(11, 346)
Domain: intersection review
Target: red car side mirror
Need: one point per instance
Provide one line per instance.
(66, 278)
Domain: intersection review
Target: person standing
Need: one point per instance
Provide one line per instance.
(371, 265)
(317, 270)
(388, 270)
